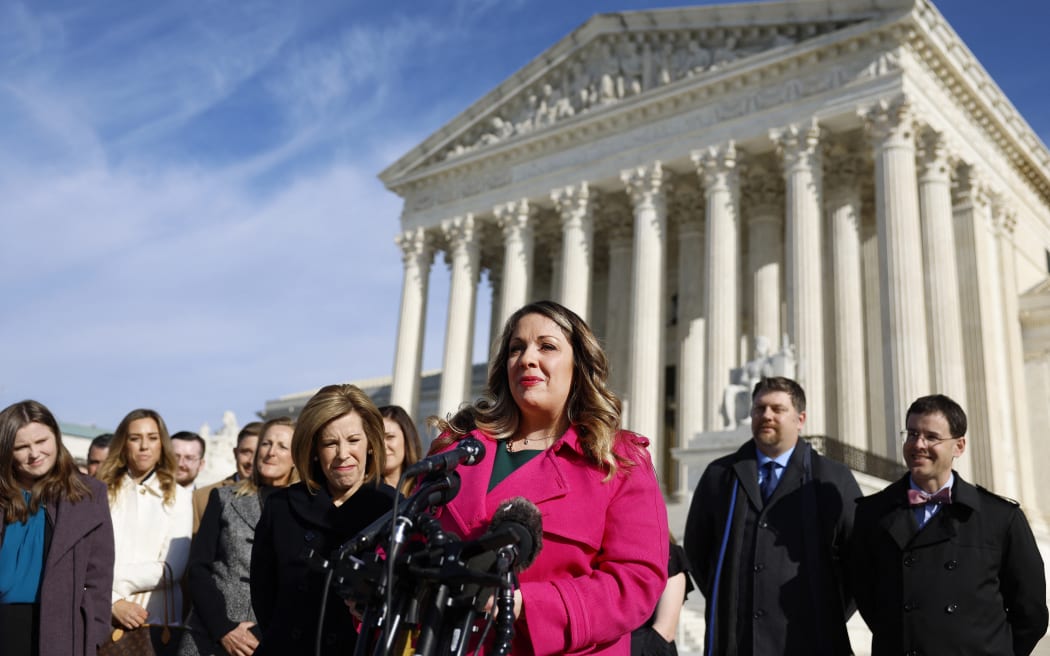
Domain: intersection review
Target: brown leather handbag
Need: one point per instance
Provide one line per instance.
(149, 639)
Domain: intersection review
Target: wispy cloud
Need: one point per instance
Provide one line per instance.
(189, 204)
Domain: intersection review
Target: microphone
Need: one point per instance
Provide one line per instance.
(468, 451)
(433, 491)
(517, 523)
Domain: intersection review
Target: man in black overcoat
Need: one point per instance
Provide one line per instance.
(938, 565)
(771, 571)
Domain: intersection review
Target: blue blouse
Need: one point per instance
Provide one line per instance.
(22, 558)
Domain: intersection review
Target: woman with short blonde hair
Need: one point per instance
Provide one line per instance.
(338, 449)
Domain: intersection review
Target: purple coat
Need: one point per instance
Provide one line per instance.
(78, 575)
(603, 564)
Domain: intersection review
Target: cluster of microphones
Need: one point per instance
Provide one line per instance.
(419, 589)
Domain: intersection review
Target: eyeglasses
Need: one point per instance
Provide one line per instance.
(913, 436)
(189, 459)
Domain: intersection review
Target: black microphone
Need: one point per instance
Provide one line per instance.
(517, 523)
(433, 491)
(468, 451)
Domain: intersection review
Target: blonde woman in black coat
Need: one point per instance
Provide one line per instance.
(338, 450)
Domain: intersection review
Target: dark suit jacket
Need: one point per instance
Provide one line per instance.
(286, 593)
(77, 580)
(782, 584)
(970, 582)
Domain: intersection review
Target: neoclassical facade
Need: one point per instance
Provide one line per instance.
(851, 184)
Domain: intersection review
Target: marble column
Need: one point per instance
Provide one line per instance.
(645, 185)
(764, 197)
(717, 167)
(546, 235)
(416, 256)
(905, 357)
(799, 146)
(982, 332)
(495, 279)
(574, 206)
(883, 439)
(618, 306)
(943, 312)
(514, 220)
(461, 234)
(1017, 390)
(842, 201)
(690, 388)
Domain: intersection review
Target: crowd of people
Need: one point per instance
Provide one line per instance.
(781, 542)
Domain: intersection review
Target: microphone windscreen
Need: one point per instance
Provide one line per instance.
(522, 512)
(474, 449)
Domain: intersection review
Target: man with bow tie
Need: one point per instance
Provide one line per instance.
(939, 566)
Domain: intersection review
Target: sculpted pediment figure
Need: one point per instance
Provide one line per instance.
(613, 68)
(614, 58)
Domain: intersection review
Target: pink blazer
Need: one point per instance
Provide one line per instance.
(603, 564)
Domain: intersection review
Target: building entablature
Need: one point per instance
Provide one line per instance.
(772, 73)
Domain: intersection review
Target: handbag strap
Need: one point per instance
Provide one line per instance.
(169, 591)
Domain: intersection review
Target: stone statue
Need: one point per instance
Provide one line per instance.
(218, 456)
(736, 401)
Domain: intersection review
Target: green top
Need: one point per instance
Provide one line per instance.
(508, 462)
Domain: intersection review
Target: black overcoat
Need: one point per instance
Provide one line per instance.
(782, 584)
(970, 582)
(286, 594)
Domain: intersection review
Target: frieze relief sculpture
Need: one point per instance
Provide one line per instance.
(616, 67)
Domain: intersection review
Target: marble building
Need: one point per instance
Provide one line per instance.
(842, 177)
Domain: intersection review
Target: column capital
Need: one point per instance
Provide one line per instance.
(513, 218)
(615, 218)
(573, 203)
(460, 232)
(687, 209)
(970, 188)
(416, 246)
(763, 191)
(931, 156)
(798, 145)
(844, 171)
(717, 165)
(645, 184)
(1005, 217)
(889, 122)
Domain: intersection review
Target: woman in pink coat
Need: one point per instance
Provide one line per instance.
(552, 433)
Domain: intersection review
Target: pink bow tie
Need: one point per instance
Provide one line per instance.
(919, 498)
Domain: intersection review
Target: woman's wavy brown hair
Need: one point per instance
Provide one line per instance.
(330, 403)
(62, 483)
(591, 408)
(112, 470)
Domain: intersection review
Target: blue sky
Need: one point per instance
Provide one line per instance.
(188, 196)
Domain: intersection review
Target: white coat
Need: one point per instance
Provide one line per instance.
(147, 533)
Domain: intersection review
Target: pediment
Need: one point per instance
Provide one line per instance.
(614, 58)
